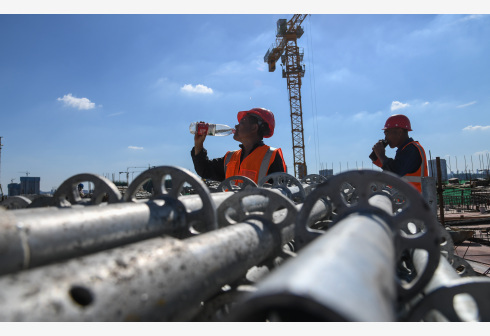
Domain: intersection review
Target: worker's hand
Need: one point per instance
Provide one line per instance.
(379, 149)
(199, 142)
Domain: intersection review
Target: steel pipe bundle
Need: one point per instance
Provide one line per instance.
(162, 279)
(35, 237)
(360, 246)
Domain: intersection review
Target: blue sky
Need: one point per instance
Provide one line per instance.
(105, 93)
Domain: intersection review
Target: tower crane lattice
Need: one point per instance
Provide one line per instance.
(286, 48)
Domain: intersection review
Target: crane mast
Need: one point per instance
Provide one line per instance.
(286, 48)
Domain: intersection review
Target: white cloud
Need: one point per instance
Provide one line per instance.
(465, 105)
(199, 88)
(476, 128)
(135, 148)
(79, 103)
(396, 105)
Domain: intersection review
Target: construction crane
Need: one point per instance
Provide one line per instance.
(286, 48)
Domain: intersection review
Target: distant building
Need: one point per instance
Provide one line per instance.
(13, 189)
(470, 175)
(30, 185)
(326, 173)
(432, 166)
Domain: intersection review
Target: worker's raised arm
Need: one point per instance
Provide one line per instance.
(199, 143)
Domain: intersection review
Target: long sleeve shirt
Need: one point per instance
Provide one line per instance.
(407, 160)
(215, 169)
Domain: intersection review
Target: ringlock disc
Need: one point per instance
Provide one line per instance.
(443, 300)
(15, 202)
(104, 190)
(286, 183)
(412, 222)
(447, 245)
(462, 267)
(170, 181)
(242, 182)
(256, 203)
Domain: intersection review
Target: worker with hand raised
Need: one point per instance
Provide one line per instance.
(254, 159)
(410, 161)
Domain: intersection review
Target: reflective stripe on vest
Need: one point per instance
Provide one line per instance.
(412, 178)
(228, 156)
(415, 178)
(266, 162)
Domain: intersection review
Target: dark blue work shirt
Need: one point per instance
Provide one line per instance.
(406, 161)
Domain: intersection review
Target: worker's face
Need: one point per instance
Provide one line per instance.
(246, 128)
(394, 137)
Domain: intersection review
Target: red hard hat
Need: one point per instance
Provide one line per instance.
(266, 115)
(398, 121)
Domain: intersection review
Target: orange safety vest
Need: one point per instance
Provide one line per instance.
(255, 166)
(415, 178)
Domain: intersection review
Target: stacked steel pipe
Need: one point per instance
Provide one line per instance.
(360, 246)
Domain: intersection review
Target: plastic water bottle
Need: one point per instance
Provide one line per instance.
(202, 128)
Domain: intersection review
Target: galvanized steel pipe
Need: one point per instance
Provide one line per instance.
(35, 237)
(346, 274)
(448, 297)
(161, 279)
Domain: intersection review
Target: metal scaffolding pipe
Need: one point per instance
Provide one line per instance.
(346, 274)
(34, 237)
(448, 297)
(160, 279)
(444, 273)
